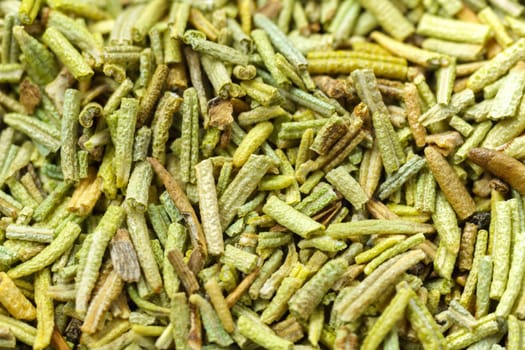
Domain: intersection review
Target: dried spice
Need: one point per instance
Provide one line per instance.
(280, 174)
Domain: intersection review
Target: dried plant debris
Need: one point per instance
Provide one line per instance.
(274, 174)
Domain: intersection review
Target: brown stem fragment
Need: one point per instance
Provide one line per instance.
(57, 340)
(124, 257)
(186, 276)
(195, 334)
(503, 166)
(183, 204)
(449, 182)
(411, 97)
(242, 287)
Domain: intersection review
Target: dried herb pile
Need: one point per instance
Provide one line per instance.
(278, 174)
